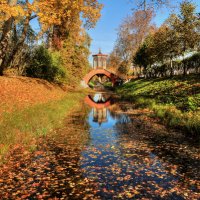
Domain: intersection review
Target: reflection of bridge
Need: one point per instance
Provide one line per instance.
(97, 105)
(99, 72)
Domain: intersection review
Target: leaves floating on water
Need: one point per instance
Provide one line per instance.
(135, 158)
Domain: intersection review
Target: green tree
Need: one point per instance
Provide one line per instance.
(145, 55)
(186, 27)
(172, 45)
(46, 65)
(166, 43)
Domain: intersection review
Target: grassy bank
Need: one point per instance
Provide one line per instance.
(23, 127)
(176, 101)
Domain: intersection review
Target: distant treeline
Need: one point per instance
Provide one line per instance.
(191, 65)
(171, 49)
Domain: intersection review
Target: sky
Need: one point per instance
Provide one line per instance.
(104, 34)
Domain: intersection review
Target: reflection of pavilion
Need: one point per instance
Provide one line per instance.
(99, 104)
(99, 98)
(100, 115)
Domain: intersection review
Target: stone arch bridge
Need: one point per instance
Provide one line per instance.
(113, 77)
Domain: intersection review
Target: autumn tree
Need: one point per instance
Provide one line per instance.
(9, 11)
(75, 57)
(61, 19)
(150, 4)
(131, 34)
(113, 60)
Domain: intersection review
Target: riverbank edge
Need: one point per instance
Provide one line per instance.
(169, 115)
(22, 128)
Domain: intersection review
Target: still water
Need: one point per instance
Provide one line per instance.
(108, 150)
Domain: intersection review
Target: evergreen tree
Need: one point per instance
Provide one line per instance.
(186, 27)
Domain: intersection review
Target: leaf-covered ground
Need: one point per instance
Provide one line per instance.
(20, 92)
(130, 156)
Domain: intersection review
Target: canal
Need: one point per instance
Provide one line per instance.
(106, 149)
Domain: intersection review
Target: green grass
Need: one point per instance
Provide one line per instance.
(174, 100)
(91, 84)
(107, 85)
(24, 127)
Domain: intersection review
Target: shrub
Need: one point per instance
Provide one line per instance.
(192, 122)
(46, 65)
(188, 103)
(58, 66)
(160, 113)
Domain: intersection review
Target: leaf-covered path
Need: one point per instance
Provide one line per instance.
(125, 156)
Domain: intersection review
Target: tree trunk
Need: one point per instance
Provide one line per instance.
(171, 67)
(18, 46)
(140, 71)
(50, 38)
(184, 66)
(6, 34)
(145, 5)
(1, 71)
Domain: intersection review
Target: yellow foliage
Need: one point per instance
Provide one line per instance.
(63, 20)
(53, 12)
(7, 11)
(75, 58)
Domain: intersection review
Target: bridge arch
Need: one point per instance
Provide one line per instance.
(94, 72)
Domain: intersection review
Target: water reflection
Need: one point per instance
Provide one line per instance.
(100, 115)
(120, 161)
(99, 104)
(109, 152)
